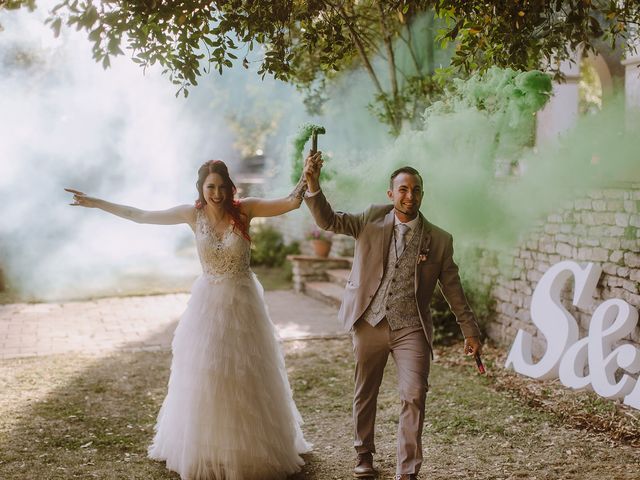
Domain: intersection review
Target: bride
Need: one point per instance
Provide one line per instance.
(229, 413)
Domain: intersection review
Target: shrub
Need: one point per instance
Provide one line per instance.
(445, 328)
(268, 247)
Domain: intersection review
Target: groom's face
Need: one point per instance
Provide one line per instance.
(406, 194)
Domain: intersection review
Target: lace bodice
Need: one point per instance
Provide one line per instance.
(221, 255)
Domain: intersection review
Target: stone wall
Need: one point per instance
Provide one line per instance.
(603, 227)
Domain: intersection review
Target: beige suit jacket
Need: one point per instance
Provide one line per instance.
(373, 231)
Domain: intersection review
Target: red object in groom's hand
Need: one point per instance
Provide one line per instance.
(479, 364)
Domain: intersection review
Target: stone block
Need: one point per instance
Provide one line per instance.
(502, 294)
(615, 206)
(616, 256)
(570, 239)
(518, 300)
(524, 315)
(588, 218)
(600, 255)
(589, 242)
(567, 227)
(580, 230)
(596, 194)
(534, 276)
(554, 218)
(622, 219)
(582, 204)
(506, 308)
(565, 250)
(613, 194)
(568, 219)
(553, 259)
(631, 298)
(614, 232)
(547, 246)
(494, 331)
(604, 218)
(538, 347)
(632, 260)
(584, 253)
(510, 334)
(523, 287)
(634, 274)
(611, 243)
(599, 205)
(634, 221)
(597, 231)
(542, 267)
(525, 254)
(552, 228)
(610, 268)
(613, 282)
(623, 272)
(630, 286)
(630, 206)
(631, 245)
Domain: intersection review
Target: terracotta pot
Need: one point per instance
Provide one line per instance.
(321, 248)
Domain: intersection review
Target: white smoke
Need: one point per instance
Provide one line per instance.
(122, 135)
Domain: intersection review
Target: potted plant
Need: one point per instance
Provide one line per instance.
(320, 241)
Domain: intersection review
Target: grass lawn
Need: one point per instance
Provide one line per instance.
(65, 417)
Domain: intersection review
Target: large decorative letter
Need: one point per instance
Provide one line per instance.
(612, 320)
(573, 365)
(555, 323)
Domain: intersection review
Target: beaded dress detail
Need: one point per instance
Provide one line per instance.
(229, 412)
(221, 255)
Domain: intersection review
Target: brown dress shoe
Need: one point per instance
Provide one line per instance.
(364, 467)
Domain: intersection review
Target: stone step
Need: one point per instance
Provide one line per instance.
(339, 276)
(327, 292)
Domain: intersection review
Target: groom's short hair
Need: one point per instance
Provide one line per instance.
(406, 169)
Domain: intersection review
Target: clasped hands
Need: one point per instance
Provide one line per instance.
(311, 172)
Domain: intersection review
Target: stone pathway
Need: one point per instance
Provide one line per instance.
(106, 325)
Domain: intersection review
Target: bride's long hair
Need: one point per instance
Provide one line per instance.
(230, 205)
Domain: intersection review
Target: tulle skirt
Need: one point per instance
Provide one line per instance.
(228, 413)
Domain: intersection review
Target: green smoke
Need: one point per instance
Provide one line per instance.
(297, 155)
(484, 180)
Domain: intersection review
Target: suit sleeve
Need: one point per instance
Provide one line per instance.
(338, 222)
(454, 294)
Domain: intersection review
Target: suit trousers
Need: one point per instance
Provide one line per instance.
(410, 351)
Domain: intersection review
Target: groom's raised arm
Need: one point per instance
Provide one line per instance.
(325, 217)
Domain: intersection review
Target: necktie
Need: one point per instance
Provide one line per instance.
(401, 240)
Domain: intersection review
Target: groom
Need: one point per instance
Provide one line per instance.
(399, 258)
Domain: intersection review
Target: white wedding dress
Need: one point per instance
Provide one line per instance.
(229, 413)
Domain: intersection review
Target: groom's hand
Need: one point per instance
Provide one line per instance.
(312, 168)
(472, 345)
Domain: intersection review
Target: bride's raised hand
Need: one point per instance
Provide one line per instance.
(81, 199)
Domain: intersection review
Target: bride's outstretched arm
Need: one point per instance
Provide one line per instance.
(260, 207)
(172, 216)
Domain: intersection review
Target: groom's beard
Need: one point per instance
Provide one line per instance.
(411, 215)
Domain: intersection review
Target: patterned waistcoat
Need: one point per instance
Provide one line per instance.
(395, 298)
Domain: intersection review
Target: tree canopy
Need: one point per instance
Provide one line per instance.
(306, 42)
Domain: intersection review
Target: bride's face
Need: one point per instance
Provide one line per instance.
(214, 190)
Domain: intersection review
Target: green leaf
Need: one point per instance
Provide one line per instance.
(56, 25)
